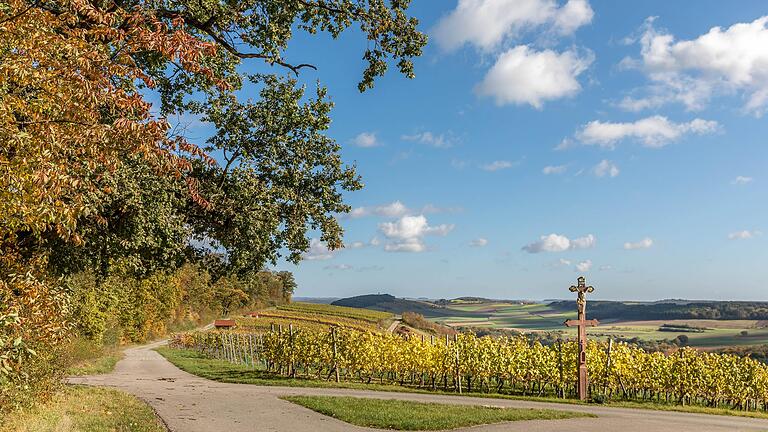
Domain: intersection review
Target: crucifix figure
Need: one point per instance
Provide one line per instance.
(582, 323)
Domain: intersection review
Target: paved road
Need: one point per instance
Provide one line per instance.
(188, 403)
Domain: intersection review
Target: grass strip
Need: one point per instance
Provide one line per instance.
(417, 416)
(86, 409)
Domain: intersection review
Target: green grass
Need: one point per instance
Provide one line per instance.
(223, 371)
(91, 358)
(86, 409)
(415, 416)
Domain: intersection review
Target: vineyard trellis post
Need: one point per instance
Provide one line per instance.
(582, 386)
(560, 367)
(608, 365)
(335, 353)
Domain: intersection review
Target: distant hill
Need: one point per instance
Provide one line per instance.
(390, 303)
(671, 309)
(318, 300)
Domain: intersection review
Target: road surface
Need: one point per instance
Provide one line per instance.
(188, 403)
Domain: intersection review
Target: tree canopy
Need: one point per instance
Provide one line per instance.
(94, 178)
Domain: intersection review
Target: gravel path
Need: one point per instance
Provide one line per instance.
(188, 403)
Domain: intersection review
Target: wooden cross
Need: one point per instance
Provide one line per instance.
(582, 323)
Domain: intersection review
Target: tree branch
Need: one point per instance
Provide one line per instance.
(207, 27)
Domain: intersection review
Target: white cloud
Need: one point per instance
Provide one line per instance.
(487, 23)
(318, 251)
(431, 139)
(585, 242)
(497, 165)
(605, 267)
(356, 245)
(406, 234)
(559, 243)
(479, 242)
(366, 139)
(656, 131)
(606, 168)
(740, 180)
(522, 75)
(584, 266)
(338, 267)
(564, 262)
(730, 60)
(393, 209)
(642, 244)
(396, 209)
(406, 245)
(554, 169)
(743, 235)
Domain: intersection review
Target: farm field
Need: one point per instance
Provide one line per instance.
(540, 317)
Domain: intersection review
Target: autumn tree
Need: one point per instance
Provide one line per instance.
(84, 158)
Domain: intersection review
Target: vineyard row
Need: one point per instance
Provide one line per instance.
(503, 365)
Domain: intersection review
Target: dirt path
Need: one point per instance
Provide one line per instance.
(392, 327)
(190, 404)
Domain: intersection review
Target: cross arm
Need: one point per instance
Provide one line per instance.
(586, 323)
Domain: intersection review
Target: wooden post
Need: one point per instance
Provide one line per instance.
(291, 365)
(335, 359)
(560, 367)
(608, 365)
(582, 386)
(458, 370)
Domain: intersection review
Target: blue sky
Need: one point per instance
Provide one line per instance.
(545, 139)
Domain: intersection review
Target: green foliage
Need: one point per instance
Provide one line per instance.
(132, 309)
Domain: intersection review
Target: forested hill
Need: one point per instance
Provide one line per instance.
(725, 310)
(390, 303)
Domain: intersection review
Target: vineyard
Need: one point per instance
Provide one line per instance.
(318, 317)
(504, 365)
(368, 315)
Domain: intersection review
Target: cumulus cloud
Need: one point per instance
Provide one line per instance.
(584, 266)
(431, 139)
(730, 60)
(740, 180)
(522, 75)
(479, 242)
(642, 244)
(406, 234)
(559, 243)
(485, 24)
(318, 250)
(743, 235)
(366, 139)
(554, 169)
(497, 165)
(605, 168)
(655, 131)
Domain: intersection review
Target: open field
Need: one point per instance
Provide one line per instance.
(540, 317)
